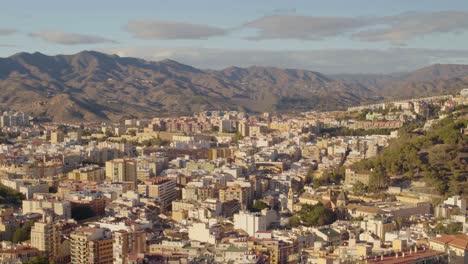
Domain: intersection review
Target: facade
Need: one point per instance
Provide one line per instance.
(89, 173)
(253, 222)
(352, 177)
(39, 203)
(160, 188)
(238, 193)
(91, 246)
(57, 137)
(46, 236)
(456, 247)
(121, 170)
(126, 243)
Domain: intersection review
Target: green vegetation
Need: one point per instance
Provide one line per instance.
(5, 137)
(344, 131)
(449, 229)
(154, 142)
(360, 188)
(23, 233)
(259, 205)
(238, 136)
(313, 215)
(437, 156)
(335, 176)
(39, 260)
(9, 195)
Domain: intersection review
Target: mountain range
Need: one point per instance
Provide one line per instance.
(94, 86)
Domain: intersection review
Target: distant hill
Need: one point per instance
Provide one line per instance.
(438, 156)
(437, 79)
(93, 86)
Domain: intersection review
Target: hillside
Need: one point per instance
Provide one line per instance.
(93, 86)
(438, 156)
(432, 80)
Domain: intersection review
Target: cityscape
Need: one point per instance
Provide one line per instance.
(262, 152)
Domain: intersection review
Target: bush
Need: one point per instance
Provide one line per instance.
(315, 215)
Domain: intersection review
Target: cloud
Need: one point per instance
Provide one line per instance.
(7, 31)
(326, 61)
(67, 38)
(159, 29)
(303, 27)
(401, 28)
(397, 29)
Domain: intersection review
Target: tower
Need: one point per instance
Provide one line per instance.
(46, 236)
(290, 199)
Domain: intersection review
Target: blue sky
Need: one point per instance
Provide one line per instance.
(347, 36)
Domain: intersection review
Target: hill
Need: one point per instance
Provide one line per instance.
(438, 156)
(436, 79)
(93, 86)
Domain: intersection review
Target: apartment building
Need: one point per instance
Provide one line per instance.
(121, 170)
(91, 246)
(88, 173)
(161, 188)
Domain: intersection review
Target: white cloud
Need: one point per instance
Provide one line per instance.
(159, 29)
(7, 31)
(67, 38)
(326, 61)
(304, 27)
(396, 29)
(401, 28)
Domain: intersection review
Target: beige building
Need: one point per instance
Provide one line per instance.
(352, 177)
(89, 173)
(161, 188)
(57, 137)
(456, 246)
(42, 202)
(241, 194)
(126, 243)
(121, 170)
(46, 236)
(91, 246)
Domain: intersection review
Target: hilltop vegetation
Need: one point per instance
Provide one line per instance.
(438, 156)
(9, 196)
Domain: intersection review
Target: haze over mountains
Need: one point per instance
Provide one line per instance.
(93, 86)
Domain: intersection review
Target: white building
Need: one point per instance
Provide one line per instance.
(253, 222)
(203, 232)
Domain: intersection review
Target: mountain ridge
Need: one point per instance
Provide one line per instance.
(94, 86)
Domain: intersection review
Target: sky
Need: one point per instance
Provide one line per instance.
(346, 36)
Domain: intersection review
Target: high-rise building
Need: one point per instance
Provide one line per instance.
(253, 222)
(89, 173)
(126, 243)
(57, 137)
(91, 246)
(46, 236)
(244, 129)
(121, 170)
(161, 188)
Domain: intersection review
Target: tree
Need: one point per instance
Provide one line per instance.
(294, 221)
(238, 136)
(359, 188)
(23, 233)
(259, 205)
(9, 195)
(39, 260)
(316, 215)
(378, 179)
